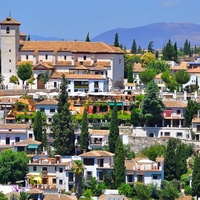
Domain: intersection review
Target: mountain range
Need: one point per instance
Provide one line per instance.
(159, 33)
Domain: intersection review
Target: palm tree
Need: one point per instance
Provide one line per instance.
(23, 196)
(78, 170)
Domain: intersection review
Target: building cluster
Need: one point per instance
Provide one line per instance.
(95, 75)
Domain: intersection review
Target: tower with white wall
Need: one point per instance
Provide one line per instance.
(10, 43)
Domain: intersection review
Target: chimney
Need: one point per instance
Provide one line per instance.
(58, 159)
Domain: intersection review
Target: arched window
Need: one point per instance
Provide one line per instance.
(7, 30)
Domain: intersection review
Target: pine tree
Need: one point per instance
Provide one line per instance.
(29, 38)
(119, 163)
(116, 42)
(170, 160)
(139, 49)
(150, 47)
(37, 126)
(130, 73)
(88, 37)
(134, 47)
(84, 136)
(62, 127)
(196, 177)
(114, 129)
(152, 106)
(175, 52)
(168, 51)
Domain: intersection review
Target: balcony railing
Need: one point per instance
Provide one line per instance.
(173, 115)
(44, 173)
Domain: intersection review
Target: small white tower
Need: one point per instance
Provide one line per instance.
(10, 43)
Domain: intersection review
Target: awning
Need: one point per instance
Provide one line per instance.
(118, 103)
(97, 136)
(37, 178)
(32, 146)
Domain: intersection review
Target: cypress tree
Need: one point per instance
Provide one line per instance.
(116, 42)
(114, 129)
(119, 163)
(88, 37)
(130, 74)
(37, 126)
(84, 136)
(196, 177)
(175, 52)
(134, 47)
(62, 129)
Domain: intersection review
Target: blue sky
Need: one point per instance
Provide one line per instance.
(73, 19)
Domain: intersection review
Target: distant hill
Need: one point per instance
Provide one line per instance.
(159, 33)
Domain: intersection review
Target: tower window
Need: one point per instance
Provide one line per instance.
(9, 60)
(46, 56)
(26, 57)
(65, 57)
(84, 57)
(10, 70)
(7, 30)
(9, 50)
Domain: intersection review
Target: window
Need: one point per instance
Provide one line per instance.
(10, 70)
(81, 62)
(17, 139)
(60, 182)
(69, 82)
(9, 60)
(167, 133)
(179, 134)
(154, 177)
(65, 57)
(161, 133)
(71, 177)
(26, 57)
(100, 176)
(60, 170)
(52, 110)
(54, 180)
(7, 30)
(84, 57)
(46, 56)
(9, 50)
(70, 187)
(55, 84)
(42, 109)
(50, 119)
(7, 140)
(130, 178)
(88, 161)
(34, 168)
(178, 112)
(198, 128)
(88, 175)
(30, 135)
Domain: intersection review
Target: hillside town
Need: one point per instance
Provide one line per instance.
(89, 120)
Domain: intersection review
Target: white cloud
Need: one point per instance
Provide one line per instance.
(170, 3)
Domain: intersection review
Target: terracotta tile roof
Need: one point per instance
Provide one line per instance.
(67, 62)
(129, 164)
(57, 75)
(97, 153)
(81, 67)
(10, 21)
(112, 197)
(44, 161)
(14, 126)
(185, 198)
(102, 63)
(174, 104)
(22, 34)
(24, 62)
(137, 67)
(26, 142)
(69, 46)
(84, 62)
(35, 191)
(98, 67)
(99, 132)
(196, 120)
(48, 65)
(183, 65)
(130, 84)
(194, 70)
(47, 102)
(158, 76)
(62, 197)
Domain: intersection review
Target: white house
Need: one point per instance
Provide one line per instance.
(92, 66)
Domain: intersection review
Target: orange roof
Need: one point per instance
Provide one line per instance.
(9, 21)
(137, 67)
(102, 63)
(66, 62)
(174, 104)
(183, 65)
(196, 120)
(69, 46)
(158, 76)
(14, 126)
(97, 153)
(98, 67)
(81, 67)
(194, 70)
(27, 141)
(99, 132)
(57, 75)
(47, 102)
(44, 64)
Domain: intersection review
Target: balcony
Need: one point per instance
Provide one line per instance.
(44, 173)
(173, 115)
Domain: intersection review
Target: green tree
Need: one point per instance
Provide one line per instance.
(168, 51)
(159, 66)
(152, 106)
(88, 37)
(186, 48)
(134, 47)
(136, 116)
(14, 79)
(129, 154)
(23, 196)
(189, 112)
(119, 163)
(130, 74)
(196, 177)
(24, 72)
(45, 76)
(175, 52)
(37, 126)
(170, 159)
(28, 38)
(147, 58)
(125, 189)
(147, 76)
(139, 49)
(182, 77)
(3, 196)
(142, 191)
(154, 191)
(62, 129)
(31, 81)
(116, 42)
(84, 136)
(13, 166)
(78, 170)
(150, 47)
(114, 129)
